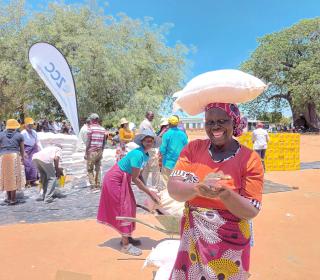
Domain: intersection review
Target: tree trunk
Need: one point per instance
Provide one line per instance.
(306, 116)
(21, 113)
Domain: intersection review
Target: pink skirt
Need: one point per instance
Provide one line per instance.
(117, 199)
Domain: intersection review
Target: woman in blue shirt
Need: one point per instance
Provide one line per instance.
(117, 198)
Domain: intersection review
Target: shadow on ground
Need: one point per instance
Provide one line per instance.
(271, 187)
(147, 243)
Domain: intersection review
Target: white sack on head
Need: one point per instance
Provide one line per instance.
(225, 86)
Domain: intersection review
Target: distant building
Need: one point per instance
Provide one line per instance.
(192, 122)
(198, 123)
(253, 123)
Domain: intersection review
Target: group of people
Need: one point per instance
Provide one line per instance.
(54, 126)
(45, 125)
(215, 224)
(156, 154)
(23, 161)
(219, 181)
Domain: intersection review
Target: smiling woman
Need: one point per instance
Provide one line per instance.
(222, 122)
(221, 182)
(215, 240)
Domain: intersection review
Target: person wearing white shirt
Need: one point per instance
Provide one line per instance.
(83, 134)
(31, 146)
(146, 124)
(47, 163)
(260, 139)
(55, 127)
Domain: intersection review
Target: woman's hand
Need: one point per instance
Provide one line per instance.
(154, 196)
(211, 188)
(59, 172)
(216, 185)
(206, 191)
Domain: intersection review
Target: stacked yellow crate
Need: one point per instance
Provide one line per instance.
(283, 151)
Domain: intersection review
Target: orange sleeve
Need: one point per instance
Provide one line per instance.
(185, 167)
(184, 161)
(252, 183)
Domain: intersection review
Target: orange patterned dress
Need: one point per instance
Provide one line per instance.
(215, 244)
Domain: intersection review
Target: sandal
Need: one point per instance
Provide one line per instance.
(11, 203)
(131, 250)
(34, 184)
(17, 201)
(134, 242)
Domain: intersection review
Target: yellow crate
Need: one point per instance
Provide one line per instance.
(283, 151)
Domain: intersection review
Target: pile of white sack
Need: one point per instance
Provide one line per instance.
(68, 143)
(73, 151)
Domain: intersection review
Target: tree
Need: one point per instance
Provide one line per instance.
(285, 121)
(271, 117)
(12, 60)
(121, 66)
(290, 61)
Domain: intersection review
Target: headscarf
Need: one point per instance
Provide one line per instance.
(239, 123)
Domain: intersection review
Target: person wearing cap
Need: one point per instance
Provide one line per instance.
(31, 146)
(180, 125)
(260, 139)
(164, 126)
(125, 136)
(11, 157)
(117, 197)
(47, 162)
(153, 163)
(173, 141)
(94, 151)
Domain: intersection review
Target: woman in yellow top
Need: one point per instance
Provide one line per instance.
(125, 136)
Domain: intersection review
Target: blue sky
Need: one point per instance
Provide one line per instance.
(224, 32)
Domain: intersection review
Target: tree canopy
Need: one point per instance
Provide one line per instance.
(122, 66)
(290, 61)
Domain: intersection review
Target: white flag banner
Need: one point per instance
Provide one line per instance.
(54, 70)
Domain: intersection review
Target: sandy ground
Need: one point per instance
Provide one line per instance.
(38, 251)
(286, 244)
(310, 148)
